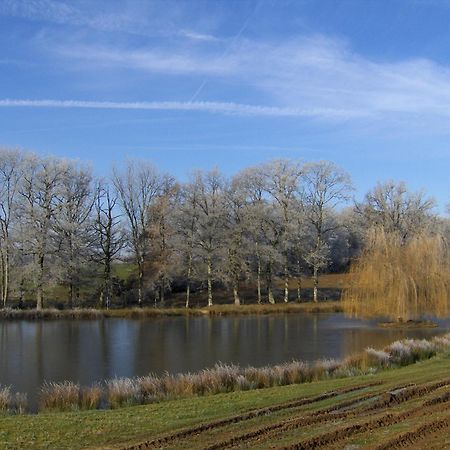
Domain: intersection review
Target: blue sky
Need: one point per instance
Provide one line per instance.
(196, 84)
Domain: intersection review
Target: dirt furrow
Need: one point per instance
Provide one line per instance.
(308, 419)
(412, 437)
(158, 442)
(386, 420)
(327, 414)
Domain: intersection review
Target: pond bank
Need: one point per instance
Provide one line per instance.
(147, 312)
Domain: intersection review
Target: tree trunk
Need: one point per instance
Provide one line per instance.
(210, 294)
(286, 284)
(299, 283)
(188, 293)
(5, 273)
(40, 285)
(258, 275)
(140, 282)
(270, 296)
(316, 283)
(71, 294)
(162, 289)
(237, 300)
(188, 287)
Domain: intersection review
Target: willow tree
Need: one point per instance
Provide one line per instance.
(400, 281)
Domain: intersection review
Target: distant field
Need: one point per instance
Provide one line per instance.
(329, 281)
(330, 286)
(400, 408)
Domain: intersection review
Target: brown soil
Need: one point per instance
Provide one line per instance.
(158, 442)
(412, 437)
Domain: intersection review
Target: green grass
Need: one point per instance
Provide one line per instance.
(111, 428)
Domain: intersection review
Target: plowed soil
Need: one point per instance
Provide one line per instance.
(372, 415)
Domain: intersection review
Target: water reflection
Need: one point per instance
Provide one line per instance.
(89, 351)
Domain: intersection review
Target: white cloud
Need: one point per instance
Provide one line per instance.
(306, 73)
(142, 19)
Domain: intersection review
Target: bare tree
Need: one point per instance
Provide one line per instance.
(10, 177)
(109, 238)
(137, 187)
(236, 223)
(396, 209)
(40, 188)
(210, 206)
(251, 182)
(186, 220)
(161, 232)
(325, 186)
(73, 225)
(282, 179)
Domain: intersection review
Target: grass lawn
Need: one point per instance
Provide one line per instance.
(126, 426)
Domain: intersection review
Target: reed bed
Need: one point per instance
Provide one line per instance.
(120, 392)
(148, 312)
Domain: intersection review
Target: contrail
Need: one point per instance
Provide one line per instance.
(227, 108)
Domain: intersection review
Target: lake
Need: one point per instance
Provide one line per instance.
(86, 351)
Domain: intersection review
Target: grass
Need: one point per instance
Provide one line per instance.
(113, 428)
(138, 313)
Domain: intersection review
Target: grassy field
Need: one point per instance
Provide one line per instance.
(400, 408)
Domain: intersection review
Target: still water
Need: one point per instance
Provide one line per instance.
(86, 351)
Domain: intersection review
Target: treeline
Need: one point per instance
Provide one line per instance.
(61, 227)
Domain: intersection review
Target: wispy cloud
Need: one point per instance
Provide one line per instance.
(144, 20)
(303, 73)
(211, 107)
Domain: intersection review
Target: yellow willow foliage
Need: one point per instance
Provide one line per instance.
(400, 281)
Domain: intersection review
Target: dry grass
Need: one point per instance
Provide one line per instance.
(400, 281)
(12, 403)
(141, 313)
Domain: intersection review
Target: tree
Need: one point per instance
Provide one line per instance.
(282, 183)
(73, 205)
(325, 186)
(11, 162)
(186, 219)
(236, 223)
(396, 209)
(210, 205)
(161, 231)
(40, 189)
(400, 280)
(109, 237)
(137, 187)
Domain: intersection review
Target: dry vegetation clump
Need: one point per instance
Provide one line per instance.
(64, 396)
(400, 280)
(12, 403)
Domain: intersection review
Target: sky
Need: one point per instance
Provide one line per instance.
(231, 83)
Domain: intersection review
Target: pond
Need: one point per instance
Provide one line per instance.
(86, 351)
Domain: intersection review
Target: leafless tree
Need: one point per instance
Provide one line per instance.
(137, 187)
(11, 168)
(393, 207)
(73, 224)
(40, 190)
(325, 186)
(109, 237)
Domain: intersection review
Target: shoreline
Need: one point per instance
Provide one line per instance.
(152, 312)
